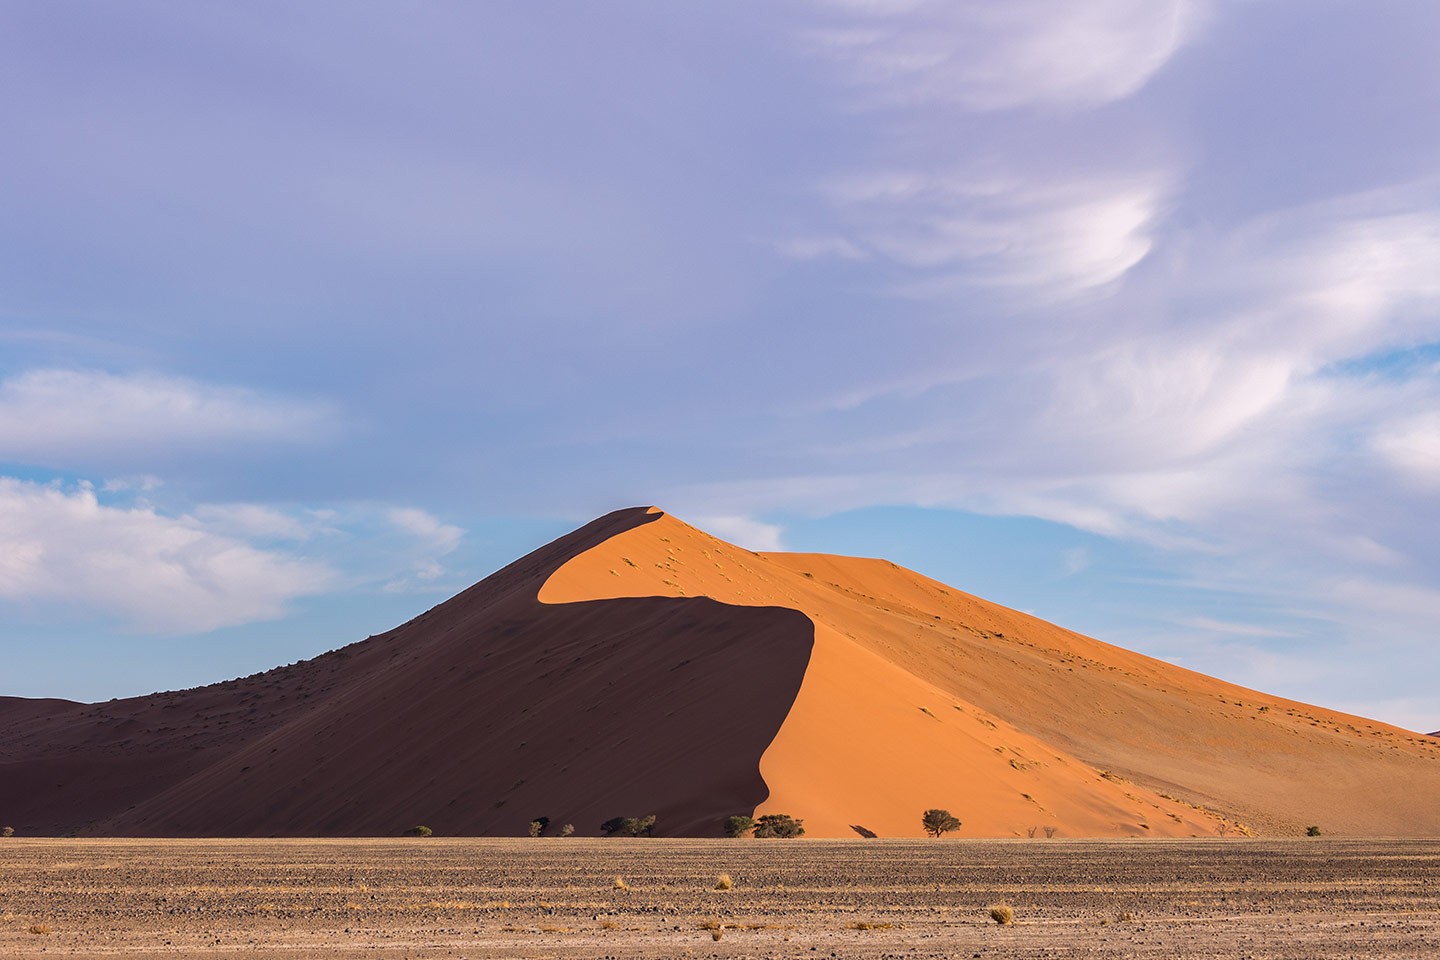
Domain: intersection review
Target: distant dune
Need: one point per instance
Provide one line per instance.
(639, 666)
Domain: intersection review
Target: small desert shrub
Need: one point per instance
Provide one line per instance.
(868, 925)
(739, 825)
(1312, 831)
(779, 825)
(937, 821)
(419, 831)
(40, 928)
(538, 825)
(723, 882)
(619, 883)
(568, 830)
(630, 826)
(7, 831)
(1003, 914)
(1049, 832)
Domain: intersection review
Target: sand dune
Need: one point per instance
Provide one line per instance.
(639, 666)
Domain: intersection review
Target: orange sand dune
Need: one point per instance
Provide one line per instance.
(920, 695)
(474, 718)
(641, 666)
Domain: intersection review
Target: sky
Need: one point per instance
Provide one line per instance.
(1124, 313)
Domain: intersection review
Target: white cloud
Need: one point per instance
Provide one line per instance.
(742, 531)
(430, 539)
(957, 231)
(255, 521)
(68, 551)
(57, 416)
(1412, 446)
(434, 535)
(62, 546)
(1212, 625)
(994, 56)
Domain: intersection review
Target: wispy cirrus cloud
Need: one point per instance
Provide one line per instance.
(55, 416)
(987, 56)
(956, 233)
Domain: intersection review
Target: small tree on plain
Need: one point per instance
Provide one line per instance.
(612, 826)
(538, 825)
(779, 825)
(419, 831)
(937, 821)
(7, 831)
(568, 830)
(739, 825)
(1312, 831)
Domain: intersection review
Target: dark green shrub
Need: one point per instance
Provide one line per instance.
(419, 831)
(630, 826)
(779, 825)
(937, 821)
(1312, 831)
(538, 825)
(739, 825)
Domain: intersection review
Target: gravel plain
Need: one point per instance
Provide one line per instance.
(552, 897)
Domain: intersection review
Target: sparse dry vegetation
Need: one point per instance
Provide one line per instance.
(779, 825)
(906, 900)
(1002, 913)
(723, 882)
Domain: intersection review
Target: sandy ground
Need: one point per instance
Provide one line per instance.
(1231, 898)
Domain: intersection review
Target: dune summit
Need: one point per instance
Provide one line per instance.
(639, 666)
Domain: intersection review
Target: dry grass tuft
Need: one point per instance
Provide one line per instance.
(41, 928)
(619, 883)
(609, 925)
(723, 882)
(1003, 914)
(868, 925)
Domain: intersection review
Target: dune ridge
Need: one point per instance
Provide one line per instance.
(474, 718)
(1039, 726)
(638, 665)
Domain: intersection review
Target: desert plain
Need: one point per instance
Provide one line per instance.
(552, 897)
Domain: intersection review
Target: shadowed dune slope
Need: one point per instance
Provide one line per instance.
(476, 717)
(919, 695)
(639, 665)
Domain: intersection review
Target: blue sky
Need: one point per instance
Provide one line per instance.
(1124, 313)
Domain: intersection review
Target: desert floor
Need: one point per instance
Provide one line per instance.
(548, 897)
